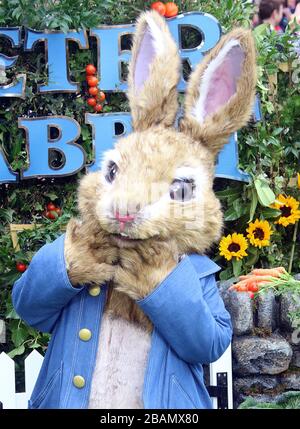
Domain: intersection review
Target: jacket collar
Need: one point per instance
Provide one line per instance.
(203, 265)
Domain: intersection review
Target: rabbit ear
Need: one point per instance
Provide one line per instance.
(221, 91)
(154, 73)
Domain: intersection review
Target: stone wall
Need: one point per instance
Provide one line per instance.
(266, 347)
(2, 332)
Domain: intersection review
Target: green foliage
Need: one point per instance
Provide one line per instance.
(287, 400)
(269, 153)
(82, 14)
(26, 205)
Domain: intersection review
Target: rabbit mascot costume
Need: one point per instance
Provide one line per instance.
(132, 303)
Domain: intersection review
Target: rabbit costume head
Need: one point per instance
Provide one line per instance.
(157, 182)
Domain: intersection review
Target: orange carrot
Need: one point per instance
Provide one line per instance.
(248, 276)
(237, 285)
(242, 288)
(273, 272)
(260, 279)
(251, 283)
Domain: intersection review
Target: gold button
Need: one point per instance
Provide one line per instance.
(85, 334)
(79, 381)
(94, 290)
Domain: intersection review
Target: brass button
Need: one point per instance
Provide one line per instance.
(94, 290)
(79, 381)
(85, 334)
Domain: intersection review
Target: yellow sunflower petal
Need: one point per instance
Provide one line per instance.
(259, 233)
(289, 208)
(234, 245)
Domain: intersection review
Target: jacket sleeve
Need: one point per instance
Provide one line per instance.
(44, 289)
(190, 314)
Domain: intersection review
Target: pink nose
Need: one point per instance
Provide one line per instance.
(127, 218)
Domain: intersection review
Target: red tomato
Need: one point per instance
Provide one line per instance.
(91, 101)
(51, 215)
(253, 288)
(98, 107)
(51, 206)
(21, 267)
(58, 211)
(171, 9)
(251, 294)
(90, 69)
(101, 96)
(159, 7)
(93, 90)
(92, 81)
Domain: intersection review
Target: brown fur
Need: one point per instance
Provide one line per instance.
(235, 114)
(157, 102)
(88, 261)
(151, 155)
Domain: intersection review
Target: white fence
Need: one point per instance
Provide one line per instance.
(8, 395)
(220, 373)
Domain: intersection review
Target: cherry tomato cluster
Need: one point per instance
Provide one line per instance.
(96, 97)
(168, 9)
(21, 267)
(248, 287)
(52, 211)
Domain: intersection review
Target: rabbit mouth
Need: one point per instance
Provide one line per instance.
(123, 240)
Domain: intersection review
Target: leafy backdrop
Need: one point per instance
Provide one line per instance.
(269, 150)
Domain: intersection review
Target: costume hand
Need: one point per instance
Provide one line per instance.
(89, 260)
(142, 268)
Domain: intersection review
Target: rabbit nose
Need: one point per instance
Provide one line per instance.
(126, 216)
(125, 219)
(127, 213)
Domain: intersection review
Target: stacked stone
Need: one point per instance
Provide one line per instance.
(2, 332)
(266, 344)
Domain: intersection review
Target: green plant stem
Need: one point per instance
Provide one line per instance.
(293, 247)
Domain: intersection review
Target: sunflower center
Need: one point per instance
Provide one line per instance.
(286, 211)
(234, 247)
(258, 233)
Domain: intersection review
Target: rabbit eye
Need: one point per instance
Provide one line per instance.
(182, 189)
(112, 170)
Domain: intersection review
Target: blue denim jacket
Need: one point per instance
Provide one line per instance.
(191, 327)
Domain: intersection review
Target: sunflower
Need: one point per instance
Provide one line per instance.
(289, 210)
(259, 233)
(234, 245)
(298, 180)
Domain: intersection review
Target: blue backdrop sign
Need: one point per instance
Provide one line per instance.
(110, 58)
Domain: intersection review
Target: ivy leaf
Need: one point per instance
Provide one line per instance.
(260, 30)
(12, 314)
(254, 201)
(237, 267)
(269, 213)
(51, 195)
(19, 335)
(264, 193)
(8, 279)
(277, 131)
(17, 351)
(229, 192)
(38, 206)
(226, 274)
(231, 214)
(253, 256)
(34, 346)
